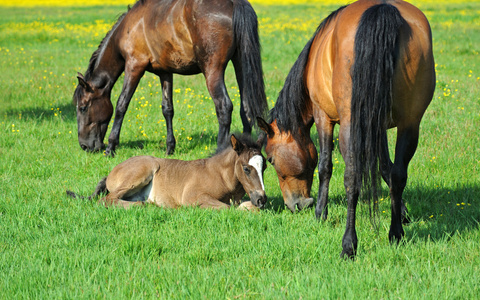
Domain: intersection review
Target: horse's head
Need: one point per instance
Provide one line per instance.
(249, 169)
(294, 163)
(94, 111)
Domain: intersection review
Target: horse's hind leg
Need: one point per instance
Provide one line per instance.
(247, 127)
(166, 79)
(352, 188)
(214, 77)
(386, 165)
(325, 136)
(407, 140)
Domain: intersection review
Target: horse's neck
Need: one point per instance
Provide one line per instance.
(107, 65)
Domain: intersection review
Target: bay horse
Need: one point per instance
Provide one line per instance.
(208, 183)
(369, 67)
(164, 37)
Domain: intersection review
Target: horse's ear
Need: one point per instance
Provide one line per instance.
(267, 128)
(84, 83)
(236, 144)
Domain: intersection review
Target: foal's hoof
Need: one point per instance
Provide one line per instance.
(248, 205)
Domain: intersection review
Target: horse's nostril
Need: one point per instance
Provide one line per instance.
(84, 147)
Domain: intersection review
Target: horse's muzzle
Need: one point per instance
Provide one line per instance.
(299, 202)
(93, 146)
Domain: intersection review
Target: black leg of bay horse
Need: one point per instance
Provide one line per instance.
(247, 127)
(166, 79)
(325, 137)
(386, 165)
(130, 84)
(352, 188)
(407, 140)
(223, 104)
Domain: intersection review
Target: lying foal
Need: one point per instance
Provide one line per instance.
(214, 182)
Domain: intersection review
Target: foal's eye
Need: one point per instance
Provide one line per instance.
(246, 170)
(82, 109)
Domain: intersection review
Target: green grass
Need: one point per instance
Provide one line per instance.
(55, 247)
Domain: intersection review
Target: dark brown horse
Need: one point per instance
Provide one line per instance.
(208, 183)
(369, 67)
(164, 37)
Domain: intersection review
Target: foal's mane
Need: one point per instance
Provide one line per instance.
(292, 99)
(245, 139)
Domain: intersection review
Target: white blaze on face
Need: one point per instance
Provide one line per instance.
(257, 162)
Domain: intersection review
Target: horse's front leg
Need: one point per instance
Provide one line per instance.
(352, 188)
(407, 140)
(325, 136)
(166, 79)
(223, 105)
(130, 83)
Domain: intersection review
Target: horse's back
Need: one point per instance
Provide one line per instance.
(176, 35)
(332, 57)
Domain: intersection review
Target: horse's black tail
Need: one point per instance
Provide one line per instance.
(376, 53)
(100, 189)
(245, 28)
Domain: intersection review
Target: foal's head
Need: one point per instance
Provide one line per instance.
(94, 111)
(249, 168)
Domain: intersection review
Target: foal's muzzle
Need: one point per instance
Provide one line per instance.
(258, 199)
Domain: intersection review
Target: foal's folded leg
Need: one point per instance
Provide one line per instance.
(206, 201)
(112, 199)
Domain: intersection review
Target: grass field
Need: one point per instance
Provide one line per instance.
(55, 247)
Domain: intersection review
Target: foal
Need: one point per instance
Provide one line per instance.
(214, 182)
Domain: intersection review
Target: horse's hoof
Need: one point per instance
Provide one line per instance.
(348, 254)
(395, 237)
(109, 153)
(321, 215)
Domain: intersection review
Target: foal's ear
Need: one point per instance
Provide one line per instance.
(267, 128)
(84, 83)
(236, 144)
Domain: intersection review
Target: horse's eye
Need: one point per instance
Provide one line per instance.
(246, 170)
(82, 109)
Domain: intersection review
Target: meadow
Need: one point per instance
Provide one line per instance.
(52, 246)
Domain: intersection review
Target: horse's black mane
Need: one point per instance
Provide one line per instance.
(292, 99)
(93, 60)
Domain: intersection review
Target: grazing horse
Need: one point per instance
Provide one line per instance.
(171, 183)
(164, 37)
(369, 67)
